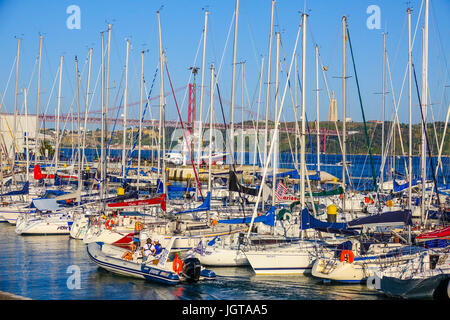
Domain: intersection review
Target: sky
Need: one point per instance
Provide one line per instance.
(182, 24)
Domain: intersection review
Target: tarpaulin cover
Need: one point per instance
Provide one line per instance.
(268, 219)
(391, 218)
(24, 190)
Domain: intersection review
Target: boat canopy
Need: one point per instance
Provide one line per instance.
(24, 190)
(46, 204)
(268, 219)
(205, 206)
(392, 218)
(401, 187)
(309, 222)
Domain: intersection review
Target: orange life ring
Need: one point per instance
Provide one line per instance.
(347, 255)
(109, 223)
(177, 264)
(213, 222)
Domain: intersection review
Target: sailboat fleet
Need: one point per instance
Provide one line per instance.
(206, 213)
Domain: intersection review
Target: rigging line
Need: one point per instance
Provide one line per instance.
(364, 118)
(228, 142)
(189, 81)
(428, 145)
(130, 153)
(226, 45)
(184, 133)
(396, 116)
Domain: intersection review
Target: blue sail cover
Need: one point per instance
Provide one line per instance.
(401, 187)
(268, 219)
(391, 218)
(205, 206)
(309, 222)
(24, 190)
(172, 188)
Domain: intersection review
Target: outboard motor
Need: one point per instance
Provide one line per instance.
(191, 269)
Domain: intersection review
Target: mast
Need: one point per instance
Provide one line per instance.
(344, 159)
(58, 114)
(125, 100)
(266, 131)
(15, 103)
(211, 118)
(383, 105)
(242, 115)
(78, 121)
(107, 105)
(162, 132)
(200, 125)
(424, 104)
(303, 145)
(36, 136)
(257, 114)
(102, 140)
(140, 118)
(317, 110)
(26, 133)
(410, 119)
(233, 79)
(275, 153)
(86, 108)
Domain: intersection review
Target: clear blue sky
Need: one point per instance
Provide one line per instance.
(182, 25)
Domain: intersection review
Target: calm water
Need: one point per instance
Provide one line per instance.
(36, 267)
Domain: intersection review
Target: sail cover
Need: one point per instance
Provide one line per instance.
(392, 218)
(205, 206)
(235, 186)
(308, 222)
(268, 219)
(24, 190)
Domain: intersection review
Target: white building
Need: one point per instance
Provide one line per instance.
(23, 127)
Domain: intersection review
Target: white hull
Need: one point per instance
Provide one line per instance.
(288, 259)
(57, 224)
(222, 257)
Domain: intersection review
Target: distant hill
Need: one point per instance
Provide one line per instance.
(356, 142)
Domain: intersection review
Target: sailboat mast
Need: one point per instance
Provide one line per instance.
(15, 104)
(86, 109)
(140, 118)
(162, 138)
(344, 110)
(211, 118)
(26, 133)
(410, 121)
(107, 104)
(78, 119)
(424, 104)
(102, 140)
(200, 123)
(125, 100)
(275, 153)
(317, 110)
(256, 151)
(233, 79)
(383, 105)
(36, 136)
(58, 114)
(303, 144)
(266, 131)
